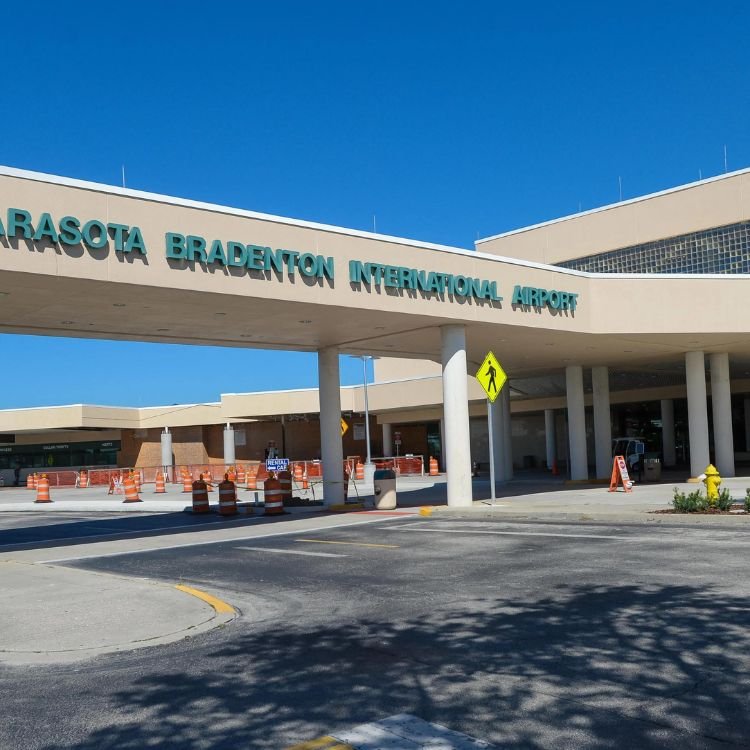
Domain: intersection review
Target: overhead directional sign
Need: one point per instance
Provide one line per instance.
(491, 376)
(344, 427)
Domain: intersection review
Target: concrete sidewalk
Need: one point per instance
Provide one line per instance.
(534, 496)
(51, 614)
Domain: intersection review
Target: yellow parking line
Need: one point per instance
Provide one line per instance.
(324, 743)
(220, 606)
(351, 544)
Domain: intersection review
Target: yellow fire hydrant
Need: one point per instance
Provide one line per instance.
(712, 480)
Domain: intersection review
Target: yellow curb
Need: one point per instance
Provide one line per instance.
(344, 507)
(426, 510)
(324, 743)
(221, 607)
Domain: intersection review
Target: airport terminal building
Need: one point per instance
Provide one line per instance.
(628, 320)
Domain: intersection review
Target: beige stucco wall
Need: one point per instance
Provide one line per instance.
(688, 208)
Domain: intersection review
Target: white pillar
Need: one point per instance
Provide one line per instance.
(498, 440)
(507, 432)
(331, 448)
(747, 424)
(229, 453)
(695, 377)
(667, 432)
(579, 468)
(549, 436)
(387, 440)
(602, 422)
(721, 407)
(442, 443)
(166, 452)
(456, 416)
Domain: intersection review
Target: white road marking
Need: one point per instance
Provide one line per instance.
(407, 732)
(436, 530)
(296, 530)
(279, 551)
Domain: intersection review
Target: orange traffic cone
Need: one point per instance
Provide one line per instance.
(187, 483)
(131, 493)
(42, 492)
(359, 471)
(160, 484)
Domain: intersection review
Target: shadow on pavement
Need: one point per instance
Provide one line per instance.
(585, 667)
(87, 530)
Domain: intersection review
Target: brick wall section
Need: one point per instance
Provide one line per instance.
(205, 444)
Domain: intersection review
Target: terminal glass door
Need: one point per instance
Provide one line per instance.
(434, 443)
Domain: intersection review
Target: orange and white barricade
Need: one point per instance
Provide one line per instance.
(115, 484)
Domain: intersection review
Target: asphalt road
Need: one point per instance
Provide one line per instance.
(527, 635)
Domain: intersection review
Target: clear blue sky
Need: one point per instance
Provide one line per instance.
(447, 121)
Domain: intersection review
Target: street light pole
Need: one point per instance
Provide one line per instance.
(369, 465)
(368, 460)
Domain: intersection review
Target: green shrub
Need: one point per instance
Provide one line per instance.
(747, 500)
(724, 501)
(693, 502)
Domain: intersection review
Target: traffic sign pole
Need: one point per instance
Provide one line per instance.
(492, 450)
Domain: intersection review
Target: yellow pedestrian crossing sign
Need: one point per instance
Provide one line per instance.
(491, 376)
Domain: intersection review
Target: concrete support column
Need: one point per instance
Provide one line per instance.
(579, 468)
(721, 407)
(695, 377)
(602, 422)
(747, 424)
(166, 452)
(507, 432)
(229, 453)
(387, 440)
(667, 432)
(442, 443)
(456, 415)
(550, 438)
(331, 448)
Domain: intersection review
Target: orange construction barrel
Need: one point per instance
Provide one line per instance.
(200, 496)
(227, 497)
(273, 497)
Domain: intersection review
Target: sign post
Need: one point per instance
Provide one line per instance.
(492, 378)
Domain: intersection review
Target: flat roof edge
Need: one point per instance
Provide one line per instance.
(233, 211)
(612, 206)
